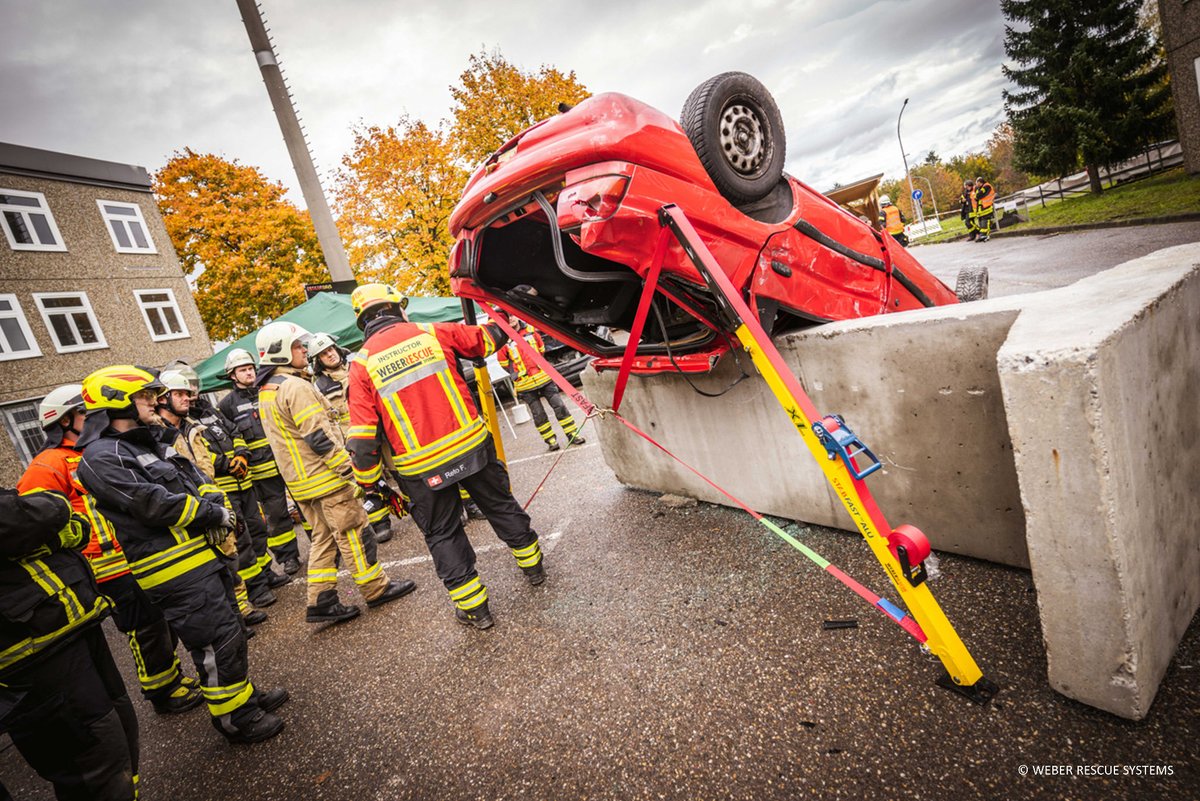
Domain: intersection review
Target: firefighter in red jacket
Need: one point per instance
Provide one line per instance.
(150, 638)
(533, 385)
(405, 383)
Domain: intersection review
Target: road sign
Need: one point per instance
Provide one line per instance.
(917, 194)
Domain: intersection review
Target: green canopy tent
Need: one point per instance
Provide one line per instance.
(331, 313)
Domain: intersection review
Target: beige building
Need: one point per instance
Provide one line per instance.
(88, 278)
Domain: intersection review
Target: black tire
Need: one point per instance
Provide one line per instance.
(735, 126)
(972, 284)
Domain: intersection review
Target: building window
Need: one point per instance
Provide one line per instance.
(16, 340)
(126, 226)
(161, 313)
(24, 428)
(70, 321)
(27, 221)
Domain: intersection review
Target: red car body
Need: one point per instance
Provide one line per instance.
(605, 168)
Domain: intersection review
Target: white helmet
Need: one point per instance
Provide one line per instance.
(320, 341)
(174, 379)
(884, 200)
(187, 371)
(274, 342)
(59, 403)
(238, 357)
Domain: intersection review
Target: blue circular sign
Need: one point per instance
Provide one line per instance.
(917, 194)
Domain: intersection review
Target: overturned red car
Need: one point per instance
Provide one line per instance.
(559, 226)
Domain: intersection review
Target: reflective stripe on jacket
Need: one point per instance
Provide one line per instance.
(47, 593)
(406, 380)
(55, 469)
(307, 443)
(985, 196)
(332, 384)
(153, 497)
(528, 376)
(240, 407)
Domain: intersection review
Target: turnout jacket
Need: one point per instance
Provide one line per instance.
(47, 591)
(56, 469)
(301, 429)
(224, 441)
(332, 384)
(240, 407)
(525, 376)
(157, 501)
(406, 388)
(985, 197)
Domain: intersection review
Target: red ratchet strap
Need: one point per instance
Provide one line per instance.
(639, 320)
(885, 607)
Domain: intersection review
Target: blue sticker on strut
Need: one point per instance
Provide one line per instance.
(896, 612)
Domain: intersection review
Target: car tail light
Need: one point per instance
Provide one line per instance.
(591, 200)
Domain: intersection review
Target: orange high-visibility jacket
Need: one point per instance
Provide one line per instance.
(55, 469)
(985, 197)
(405, 382)
(529, 376)
(893, 219)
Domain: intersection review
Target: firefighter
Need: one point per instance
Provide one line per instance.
(174, 401)
(405, 385)
(168, 529)
(240, 406)
(150, 638)
(985, 198)
(329, 365)
(61, 696)
(232, 466)
(966, 209)
(533, 385)
(892, 220)
(302, 430)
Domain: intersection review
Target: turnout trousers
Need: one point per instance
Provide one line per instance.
(253, 561)
(70, 717)
(151, 640)
(281, 530)
(204, 614)
(339, 524)
(438, 513)
(532, 398)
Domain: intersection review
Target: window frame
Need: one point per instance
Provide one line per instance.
(174, 303)
(11, 427)
(18, 314)
(38, 297)
(60, 245)
(108, 225)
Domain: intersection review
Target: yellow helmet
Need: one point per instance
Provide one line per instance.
(368, 295)
(114, 387)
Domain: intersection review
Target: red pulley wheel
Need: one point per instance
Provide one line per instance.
(913, 540)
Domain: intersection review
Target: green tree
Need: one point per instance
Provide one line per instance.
(495, 100)
(245, 248)
(1087, 78)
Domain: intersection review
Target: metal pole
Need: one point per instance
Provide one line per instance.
(931, 197)
(293, 136)
(907, 175)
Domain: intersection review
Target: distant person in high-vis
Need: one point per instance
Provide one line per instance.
(405, 387)
(303, 433)
(533, 385)
(169, 520)
(892, 220)
(985, 200)
(966, 209)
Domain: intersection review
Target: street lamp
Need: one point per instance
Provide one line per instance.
(904, 155)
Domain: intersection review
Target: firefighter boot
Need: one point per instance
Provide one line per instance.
(479, 616)
(255, 726)
(291, 567)
(535, 575)
(254, 617)
(276, 579)
(383, 531)
(271, 699)
(328, 609)
(264, 597)
(394, 590)
(182, 698)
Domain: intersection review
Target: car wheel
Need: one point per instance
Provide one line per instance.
(972, 284)
(735, 126)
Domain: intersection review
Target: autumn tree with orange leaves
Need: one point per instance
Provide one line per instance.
(398, 185)
(394, 195)
(246, 249)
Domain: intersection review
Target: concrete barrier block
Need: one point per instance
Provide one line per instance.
(919, 388)
(1101, 382)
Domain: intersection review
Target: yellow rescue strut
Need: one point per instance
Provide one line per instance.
(839, 454)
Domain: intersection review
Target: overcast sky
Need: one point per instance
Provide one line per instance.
(134, 80)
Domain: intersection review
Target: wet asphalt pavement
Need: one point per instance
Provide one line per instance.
(671, 654)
